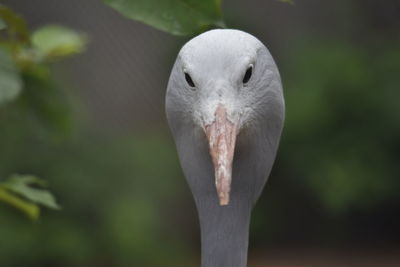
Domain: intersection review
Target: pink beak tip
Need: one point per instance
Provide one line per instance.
(224, 201)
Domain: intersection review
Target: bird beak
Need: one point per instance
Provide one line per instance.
(221, 135)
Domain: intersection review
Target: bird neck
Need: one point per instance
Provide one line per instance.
(224, 232)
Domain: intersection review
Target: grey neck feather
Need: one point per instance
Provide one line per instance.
(224, 229)
(224, 232)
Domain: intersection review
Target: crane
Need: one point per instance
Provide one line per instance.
(225, 109)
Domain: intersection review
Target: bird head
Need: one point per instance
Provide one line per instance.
(223, 82)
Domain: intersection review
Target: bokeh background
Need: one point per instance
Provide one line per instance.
(333, 196)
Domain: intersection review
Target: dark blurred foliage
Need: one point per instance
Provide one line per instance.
(109, 214)
(343, 123)
(125, 203)
(336, 180)
(28, 91)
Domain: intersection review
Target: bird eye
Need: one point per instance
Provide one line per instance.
(247, 75)
(189, 80)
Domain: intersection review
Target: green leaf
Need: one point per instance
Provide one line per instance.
(10, 80)
(16, 25)
(180, 17)
(53, 41)
(30, 209)
(24, 185)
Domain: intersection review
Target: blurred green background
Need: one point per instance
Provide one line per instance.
(100, 138)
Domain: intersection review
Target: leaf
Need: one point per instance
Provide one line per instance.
(16, 25)
(180, 17)
(23, 185)
(30, 209)
(10, 80)
(53, 41)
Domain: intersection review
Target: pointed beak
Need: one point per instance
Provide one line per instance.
(221, 135)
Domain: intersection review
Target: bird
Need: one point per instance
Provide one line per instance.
(225, 109)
